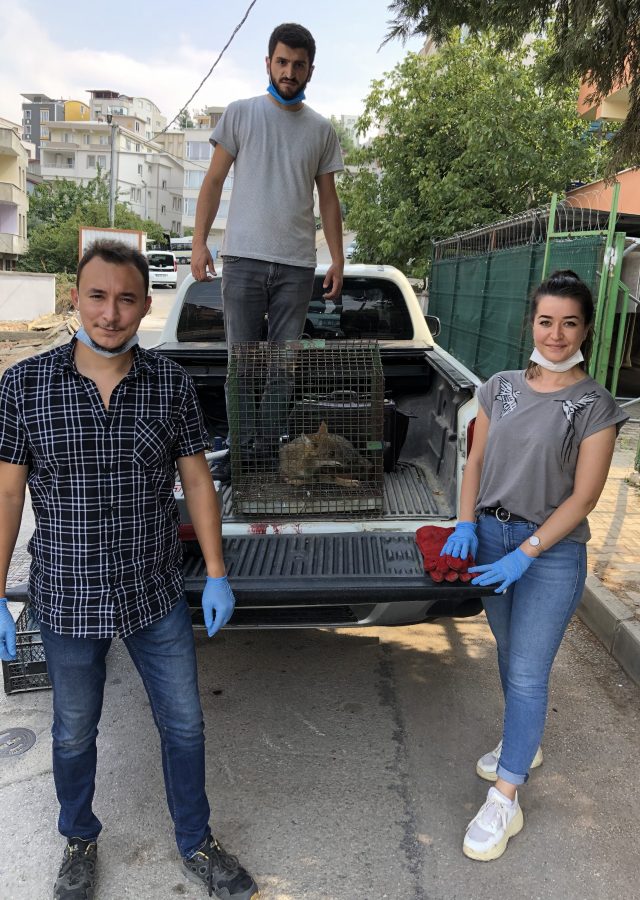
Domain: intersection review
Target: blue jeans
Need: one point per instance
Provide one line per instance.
(251, 289)
(528, 623)
(164, 655)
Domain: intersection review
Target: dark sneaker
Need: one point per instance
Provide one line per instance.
(77, 876)
(221, 872)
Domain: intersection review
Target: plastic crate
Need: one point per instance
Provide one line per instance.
(28, 671)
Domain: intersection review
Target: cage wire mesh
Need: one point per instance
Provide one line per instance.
(306, 428)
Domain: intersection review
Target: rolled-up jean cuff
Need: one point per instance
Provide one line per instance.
(501, 772)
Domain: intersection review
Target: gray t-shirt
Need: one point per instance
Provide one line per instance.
(278, 155)
(533, 442)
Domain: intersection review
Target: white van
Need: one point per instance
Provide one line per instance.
(163, 268)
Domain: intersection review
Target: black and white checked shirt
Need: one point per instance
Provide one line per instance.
(106, 558)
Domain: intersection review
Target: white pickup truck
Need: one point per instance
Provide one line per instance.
(292, 571)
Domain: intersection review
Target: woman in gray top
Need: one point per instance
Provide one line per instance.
(541, 452)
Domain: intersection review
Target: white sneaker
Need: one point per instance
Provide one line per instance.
(487, 765)
(489, 832)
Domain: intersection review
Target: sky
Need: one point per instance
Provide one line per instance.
(162, 50)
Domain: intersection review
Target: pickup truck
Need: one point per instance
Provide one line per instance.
(295, 571)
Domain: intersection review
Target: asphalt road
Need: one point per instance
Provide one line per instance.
(341, 766)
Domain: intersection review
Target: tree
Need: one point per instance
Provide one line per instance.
(347, 144)
(597, 41)
(58, 208)
(184, 119)
(468, 136)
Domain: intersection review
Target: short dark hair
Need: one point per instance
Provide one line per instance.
(118, 253)
(565, 283)
(295, 36)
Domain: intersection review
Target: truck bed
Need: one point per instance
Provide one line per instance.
(408, 494)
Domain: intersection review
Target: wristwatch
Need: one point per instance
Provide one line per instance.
(535, 541)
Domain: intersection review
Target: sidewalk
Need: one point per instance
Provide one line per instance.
(611, 601)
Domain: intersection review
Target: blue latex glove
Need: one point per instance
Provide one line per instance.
(217, 598)
(462, 542)
(7, 632)
(507, 570)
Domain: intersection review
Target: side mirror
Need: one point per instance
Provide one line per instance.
(433, 322)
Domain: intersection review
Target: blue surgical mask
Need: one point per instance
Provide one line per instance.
(276, 96)
(84, 338)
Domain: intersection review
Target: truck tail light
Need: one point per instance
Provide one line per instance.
(187, 533)
(471, 427)
(175, 265)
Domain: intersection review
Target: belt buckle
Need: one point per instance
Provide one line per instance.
(502, 514)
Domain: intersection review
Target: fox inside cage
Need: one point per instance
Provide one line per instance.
(306, 427)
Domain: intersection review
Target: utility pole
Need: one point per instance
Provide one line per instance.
(113, 174)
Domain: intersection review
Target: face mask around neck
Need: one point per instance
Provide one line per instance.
(276, 96)
(537, 358)
(84, 338)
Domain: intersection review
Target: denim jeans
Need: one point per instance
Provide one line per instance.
(528, 623)
(164, 655)
(251, 289)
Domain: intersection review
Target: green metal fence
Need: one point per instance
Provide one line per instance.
(483, 301)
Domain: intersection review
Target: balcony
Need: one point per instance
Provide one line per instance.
(9, 193)
(62, 145)
(10, 143)
(12, 244)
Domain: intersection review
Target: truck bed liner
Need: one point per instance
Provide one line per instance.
(407, 495)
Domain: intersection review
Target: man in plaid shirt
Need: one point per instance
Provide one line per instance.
(95, 429)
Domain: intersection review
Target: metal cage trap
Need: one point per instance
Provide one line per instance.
(306, 428)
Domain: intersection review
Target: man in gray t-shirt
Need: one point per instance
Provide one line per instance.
(279, 149)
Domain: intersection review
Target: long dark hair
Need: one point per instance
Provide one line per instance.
(564, 283)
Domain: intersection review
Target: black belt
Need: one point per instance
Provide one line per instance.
(503, 515)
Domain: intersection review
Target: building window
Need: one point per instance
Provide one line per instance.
(199, 150)
(164, 184)
(137, 126)
(44, 133)
(27, 113)
(190, 206)
(163, 209)
(98, 110)
(44, 115)
(86, 138)
(193, 178)
(91, 161)
(137, 148)
(70, 162)
(140, 170)
(103, 139)
(102, 162)
(128, 144)
(27, 130)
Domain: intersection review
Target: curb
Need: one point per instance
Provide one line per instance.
(613, 624)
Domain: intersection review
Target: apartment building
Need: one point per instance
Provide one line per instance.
(37, 113)
(191, 146)
(14, 202)
(148, 179)
(137, 114)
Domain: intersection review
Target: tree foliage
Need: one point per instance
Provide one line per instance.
(595, 40)
(58, 208)
(347, 144)
(468, 136)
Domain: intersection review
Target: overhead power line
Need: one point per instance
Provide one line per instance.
(233, 34)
